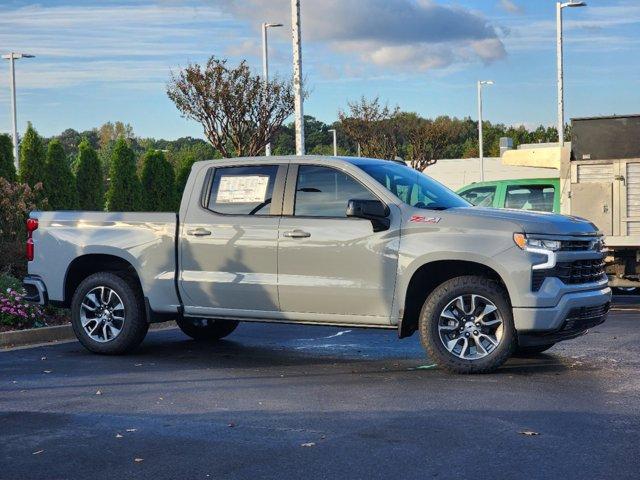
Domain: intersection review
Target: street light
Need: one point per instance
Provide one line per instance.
(335, 142)
(480, 146)
(559, 7)
(298, 101)
(12, 57)
(265, 67)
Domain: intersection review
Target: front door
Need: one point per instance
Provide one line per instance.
(228, 243)
(333, 268)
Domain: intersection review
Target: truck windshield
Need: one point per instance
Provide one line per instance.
(412, 187)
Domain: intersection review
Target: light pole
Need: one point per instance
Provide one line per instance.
(265, 67)
(335, 142)
(559, 7)
(12, 57)
(296, 37)
(480, 146)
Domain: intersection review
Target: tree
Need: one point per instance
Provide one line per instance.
(59, 184)
(125, 192)
(70, 139)
(89, 178)
(158, 182)
(32, 158)
(427, 140)
(184, 159)
(375, 127)
(239, 112)
(7, 167)
(110, 132)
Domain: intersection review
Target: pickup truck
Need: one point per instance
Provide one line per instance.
(327, 241)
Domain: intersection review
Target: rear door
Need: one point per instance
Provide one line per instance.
(330, 267)
(228, 242)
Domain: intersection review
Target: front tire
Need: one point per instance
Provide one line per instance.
(207, 330)
(107, 314)
(466, 325)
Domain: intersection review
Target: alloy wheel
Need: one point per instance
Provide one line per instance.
(102, 314)
(470, 327)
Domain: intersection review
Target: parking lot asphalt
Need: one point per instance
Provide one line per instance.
(303, 402)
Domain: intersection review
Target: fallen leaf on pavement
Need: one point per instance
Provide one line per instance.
(529, 433)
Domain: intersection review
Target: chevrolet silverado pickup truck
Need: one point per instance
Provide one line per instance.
(327, 241)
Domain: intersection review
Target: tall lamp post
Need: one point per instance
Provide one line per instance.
(296, 37)
(12, 57)
(480, 145)
(559, 7)
(335, 141)
(265, 66)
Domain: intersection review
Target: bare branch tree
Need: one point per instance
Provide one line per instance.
(375, 127)
(238, 112)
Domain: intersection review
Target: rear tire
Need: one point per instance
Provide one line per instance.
(107, 314)
(466, 325)
(207, 330)
(533, 350)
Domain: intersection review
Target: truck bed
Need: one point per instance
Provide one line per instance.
(147, 241)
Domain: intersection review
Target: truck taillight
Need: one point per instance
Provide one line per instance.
(32, 224)
(30, 249)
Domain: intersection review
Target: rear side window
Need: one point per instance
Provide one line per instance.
(530, 197)
(325, 192)
(242, 190)
(480, 197)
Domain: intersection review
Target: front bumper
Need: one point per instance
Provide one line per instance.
(572, 316)
(36, 290)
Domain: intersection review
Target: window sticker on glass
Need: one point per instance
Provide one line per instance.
(242, 189)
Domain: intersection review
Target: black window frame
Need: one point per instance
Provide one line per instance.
(288, 205)
(277, 197)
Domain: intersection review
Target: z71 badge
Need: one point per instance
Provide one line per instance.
(423, 219)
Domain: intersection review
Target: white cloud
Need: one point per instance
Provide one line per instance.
(401, 33)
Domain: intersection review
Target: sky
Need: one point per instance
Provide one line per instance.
(99, 61)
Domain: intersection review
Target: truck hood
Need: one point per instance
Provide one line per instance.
(534, 222)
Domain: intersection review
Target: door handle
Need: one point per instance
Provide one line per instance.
(296, 234)
(199, 232)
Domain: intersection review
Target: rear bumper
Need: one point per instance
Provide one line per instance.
(572, 316)
(36, 290)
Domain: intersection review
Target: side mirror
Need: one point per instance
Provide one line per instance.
(373, 210)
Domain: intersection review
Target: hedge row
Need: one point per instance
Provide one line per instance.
(154, 189)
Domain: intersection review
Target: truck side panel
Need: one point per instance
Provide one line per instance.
(144, 240)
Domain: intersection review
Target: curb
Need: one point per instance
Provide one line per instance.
(57, 333)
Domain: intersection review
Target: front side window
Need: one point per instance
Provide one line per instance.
(325, 192)
(242, 190)
(480, 197)
(411, 186)
(530, 197)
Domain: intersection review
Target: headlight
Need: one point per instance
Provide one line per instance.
(526, 243)
(540, 246)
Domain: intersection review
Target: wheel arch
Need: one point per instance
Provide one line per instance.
(426, 277)
(88, 264)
